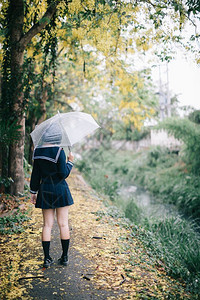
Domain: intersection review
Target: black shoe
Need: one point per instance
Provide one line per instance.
(48, 262)
(63, 260)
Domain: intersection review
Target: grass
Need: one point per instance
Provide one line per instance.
(174, 242)
(177, 243)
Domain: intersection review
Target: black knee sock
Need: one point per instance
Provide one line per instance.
(46, 246)
(65, 247)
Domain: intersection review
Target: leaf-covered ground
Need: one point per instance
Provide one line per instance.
(106, 260)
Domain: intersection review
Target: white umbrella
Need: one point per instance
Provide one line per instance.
(64, 129)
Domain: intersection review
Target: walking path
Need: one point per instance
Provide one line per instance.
(105, 260)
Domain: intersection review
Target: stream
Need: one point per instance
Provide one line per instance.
(146, 202)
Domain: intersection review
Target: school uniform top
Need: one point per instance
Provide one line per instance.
(48, 178)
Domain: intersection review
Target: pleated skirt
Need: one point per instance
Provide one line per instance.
(54, 195)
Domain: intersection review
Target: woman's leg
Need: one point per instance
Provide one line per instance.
(62, 219)
(48, 220)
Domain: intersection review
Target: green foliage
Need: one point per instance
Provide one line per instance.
(99, 178)
(13, 223)
(5, 181)
(123, 132)
(8, 134)
(83, 166)
(179, 236)
(157, 155)
(195, 116)
(8, 131)
(133, 212)
(193, 6)
(174, 242)
(7, 84)
(189, 133)
(27, 168)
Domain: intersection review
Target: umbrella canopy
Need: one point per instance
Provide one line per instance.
(64, 129)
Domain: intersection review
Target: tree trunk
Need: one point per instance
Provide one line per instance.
(15, 104)
(16, 158)
(1, 159)
(16, 154)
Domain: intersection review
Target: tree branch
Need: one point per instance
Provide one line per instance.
(36, 28)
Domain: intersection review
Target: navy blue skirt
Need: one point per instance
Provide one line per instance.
(53, 195)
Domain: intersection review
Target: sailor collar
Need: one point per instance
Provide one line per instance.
(47, 153)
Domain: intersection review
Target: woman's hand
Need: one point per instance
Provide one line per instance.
(33, 198)
(70, 157)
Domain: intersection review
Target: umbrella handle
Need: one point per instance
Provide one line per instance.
(70, 148)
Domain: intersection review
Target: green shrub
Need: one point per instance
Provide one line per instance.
(133, 212)
(9, 131)
(195, 116)
(178, 242)
(83, 166)
(175, 244)
(5, 181)
(189, 133)
(13, 223)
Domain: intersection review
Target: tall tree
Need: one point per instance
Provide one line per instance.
(12, 103)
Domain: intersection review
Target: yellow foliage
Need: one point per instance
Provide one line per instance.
(38, 68)
(198, 60)
(132, 112)
(37, 5)
(30, 52)
(104, 35)
(48, 79)
(78, 33)
(61, 33)
(3, 6)
(89, 4)
(75, 6)
(129, 105)
(71, 100)
(95, 116)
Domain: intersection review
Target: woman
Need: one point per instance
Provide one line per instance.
(50, 192)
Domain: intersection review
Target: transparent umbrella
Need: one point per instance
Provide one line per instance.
(64, 129)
